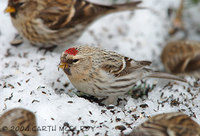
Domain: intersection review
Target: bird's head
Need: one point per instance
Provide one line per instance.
(75, 61)
(14, 6)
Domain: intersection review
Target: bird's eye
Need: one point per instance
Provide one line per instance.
(75, 60)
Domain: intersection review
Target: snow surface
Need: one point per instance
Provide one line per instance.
(31, 80)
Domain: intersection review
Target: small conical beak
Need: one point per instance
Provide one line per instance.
(63, 66)
(10, 9)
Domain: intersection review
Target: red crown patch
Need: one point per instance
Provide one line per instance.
(72, 51)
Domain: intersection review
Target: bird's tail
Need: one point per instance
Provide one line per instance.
(124, 7)
(118, 7)
(164, 76)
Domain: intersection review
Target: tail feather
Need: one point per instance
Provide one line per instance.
(129, 5)
(165, 76)
(119, 7)
(126, 6)
(148, 73)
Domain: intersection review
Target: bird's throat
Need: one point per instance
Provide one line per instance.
(67, 71)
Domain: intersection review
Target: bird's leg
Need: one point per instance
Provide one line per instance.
(111, 100)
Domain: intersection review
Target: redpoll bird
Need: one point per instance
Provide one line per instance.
(47, 23)
(105, 73)
(18, 122)
(168, 124)
(181, 57)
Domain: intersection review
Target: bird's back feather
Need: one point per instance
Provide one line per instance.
(70, 13)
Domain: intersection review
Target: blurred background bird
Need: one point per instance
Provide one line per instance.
(182, 57)
(167, 124)
(18, 122)
(57, 22)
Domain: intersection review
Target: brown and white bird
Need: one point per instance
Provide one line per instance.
(47, 23)
(103, 73)
(18, 122)
(181, 57)
(168, 124)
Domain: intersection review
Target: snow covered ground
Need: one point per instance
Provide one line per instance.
(31, 80)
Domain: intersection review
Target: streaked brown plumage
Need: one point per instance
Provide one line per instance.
(105, 73)
(18, 121)
(168, 124)
(181, 56)
(56, 22)
(8, 133)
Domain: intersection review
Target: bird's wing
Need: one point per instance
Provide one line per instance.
(69, 13)
(192, 64)
(120, 66)
(132, 66)
(184, 130)
(57, 14)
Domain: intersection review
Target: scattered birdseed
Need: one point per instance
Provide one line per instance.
(121, 127)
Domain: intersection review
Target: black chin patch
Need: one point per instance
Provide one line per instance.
(13, 15)
(67, 71)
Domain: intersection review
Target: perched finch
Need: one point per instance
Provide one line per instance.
(103, 73)
(47, 23)
(168, 124)
(181, 57)
(17, 122)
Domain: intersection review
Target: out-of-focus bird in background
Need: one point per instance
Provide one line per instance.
(182, 57)
(46, 23)
(18, 122)
(167, 124)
